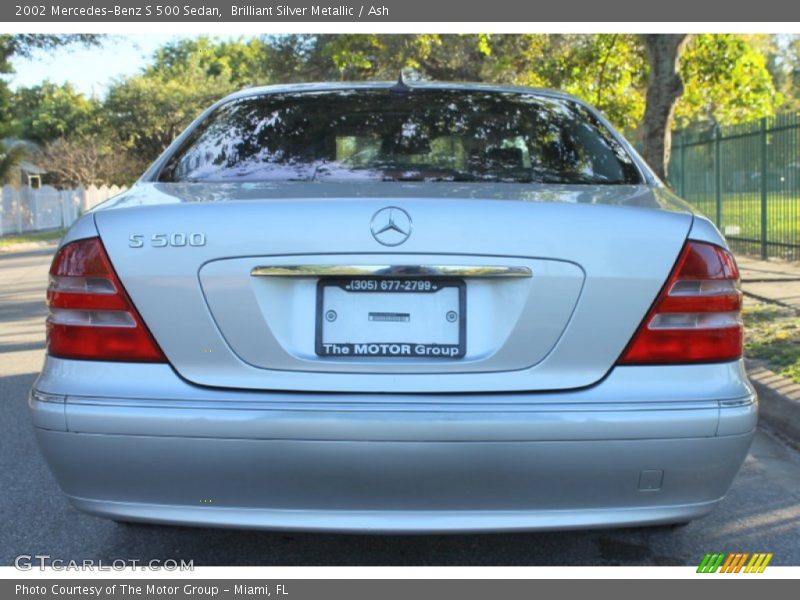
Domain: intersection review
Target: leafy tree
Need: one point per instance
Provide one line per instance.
(10, 157)
(49, 111)
(242, 63)
(712, 77)
(23, 45)
(791, 68)
(726, 81)
(146, 112)
(782, 55)
(606, 70)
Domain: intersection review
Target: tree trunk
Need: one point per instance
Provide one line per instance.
(663, 90)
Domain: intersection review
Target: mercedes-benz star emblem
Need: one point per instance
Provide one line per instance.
(391, 226)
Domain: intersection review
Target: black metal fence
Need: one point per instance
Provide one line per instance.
(746, 178)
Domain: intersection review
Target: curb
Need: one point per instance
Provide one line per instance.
(778, 401)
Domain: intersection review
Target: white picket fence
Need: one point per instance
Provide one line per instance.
(27, 209)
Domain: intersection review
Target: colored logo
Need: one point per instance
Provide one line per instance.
(734, 562)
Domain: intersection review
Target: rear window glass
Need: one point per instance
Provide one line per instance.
(420, 135)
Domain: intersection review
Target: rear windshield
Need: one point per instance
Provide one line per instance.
(419, 135)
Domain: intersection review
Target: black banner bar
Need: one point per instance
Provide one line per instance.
(453, 11)
(708, 586)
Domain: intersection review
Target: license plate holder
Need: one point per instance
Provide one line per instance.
(380, 317)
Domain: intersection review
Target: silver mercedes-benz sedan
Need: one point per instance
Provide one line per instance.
(395, 308)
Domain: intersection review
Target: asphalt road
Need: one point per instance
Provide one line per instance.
(761, 512)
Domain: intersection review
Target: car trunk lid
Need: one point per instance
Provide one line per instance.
(592, 261)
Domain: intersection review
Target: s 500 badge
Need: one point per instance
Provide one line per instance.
(163, 240)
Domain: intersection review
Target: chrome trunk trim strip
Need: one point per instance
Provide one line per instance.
(465, 271)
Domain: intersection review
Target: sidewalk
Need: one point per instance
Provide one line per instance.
(772, 281)
(779, 397)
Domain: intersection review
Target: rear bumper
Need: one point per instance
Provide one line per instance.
(396, 463)
(397, 521)
(392, 486)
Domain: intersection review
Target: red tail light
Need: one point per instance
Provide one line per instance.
(697, 316)
(91, 316)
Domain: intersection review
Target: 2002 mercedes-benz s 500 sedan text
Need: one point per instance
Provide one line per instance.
(392, 307)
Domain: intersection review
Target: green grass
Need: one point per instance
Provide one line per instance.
(743, 210)
(9, 241)
(772, 334)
